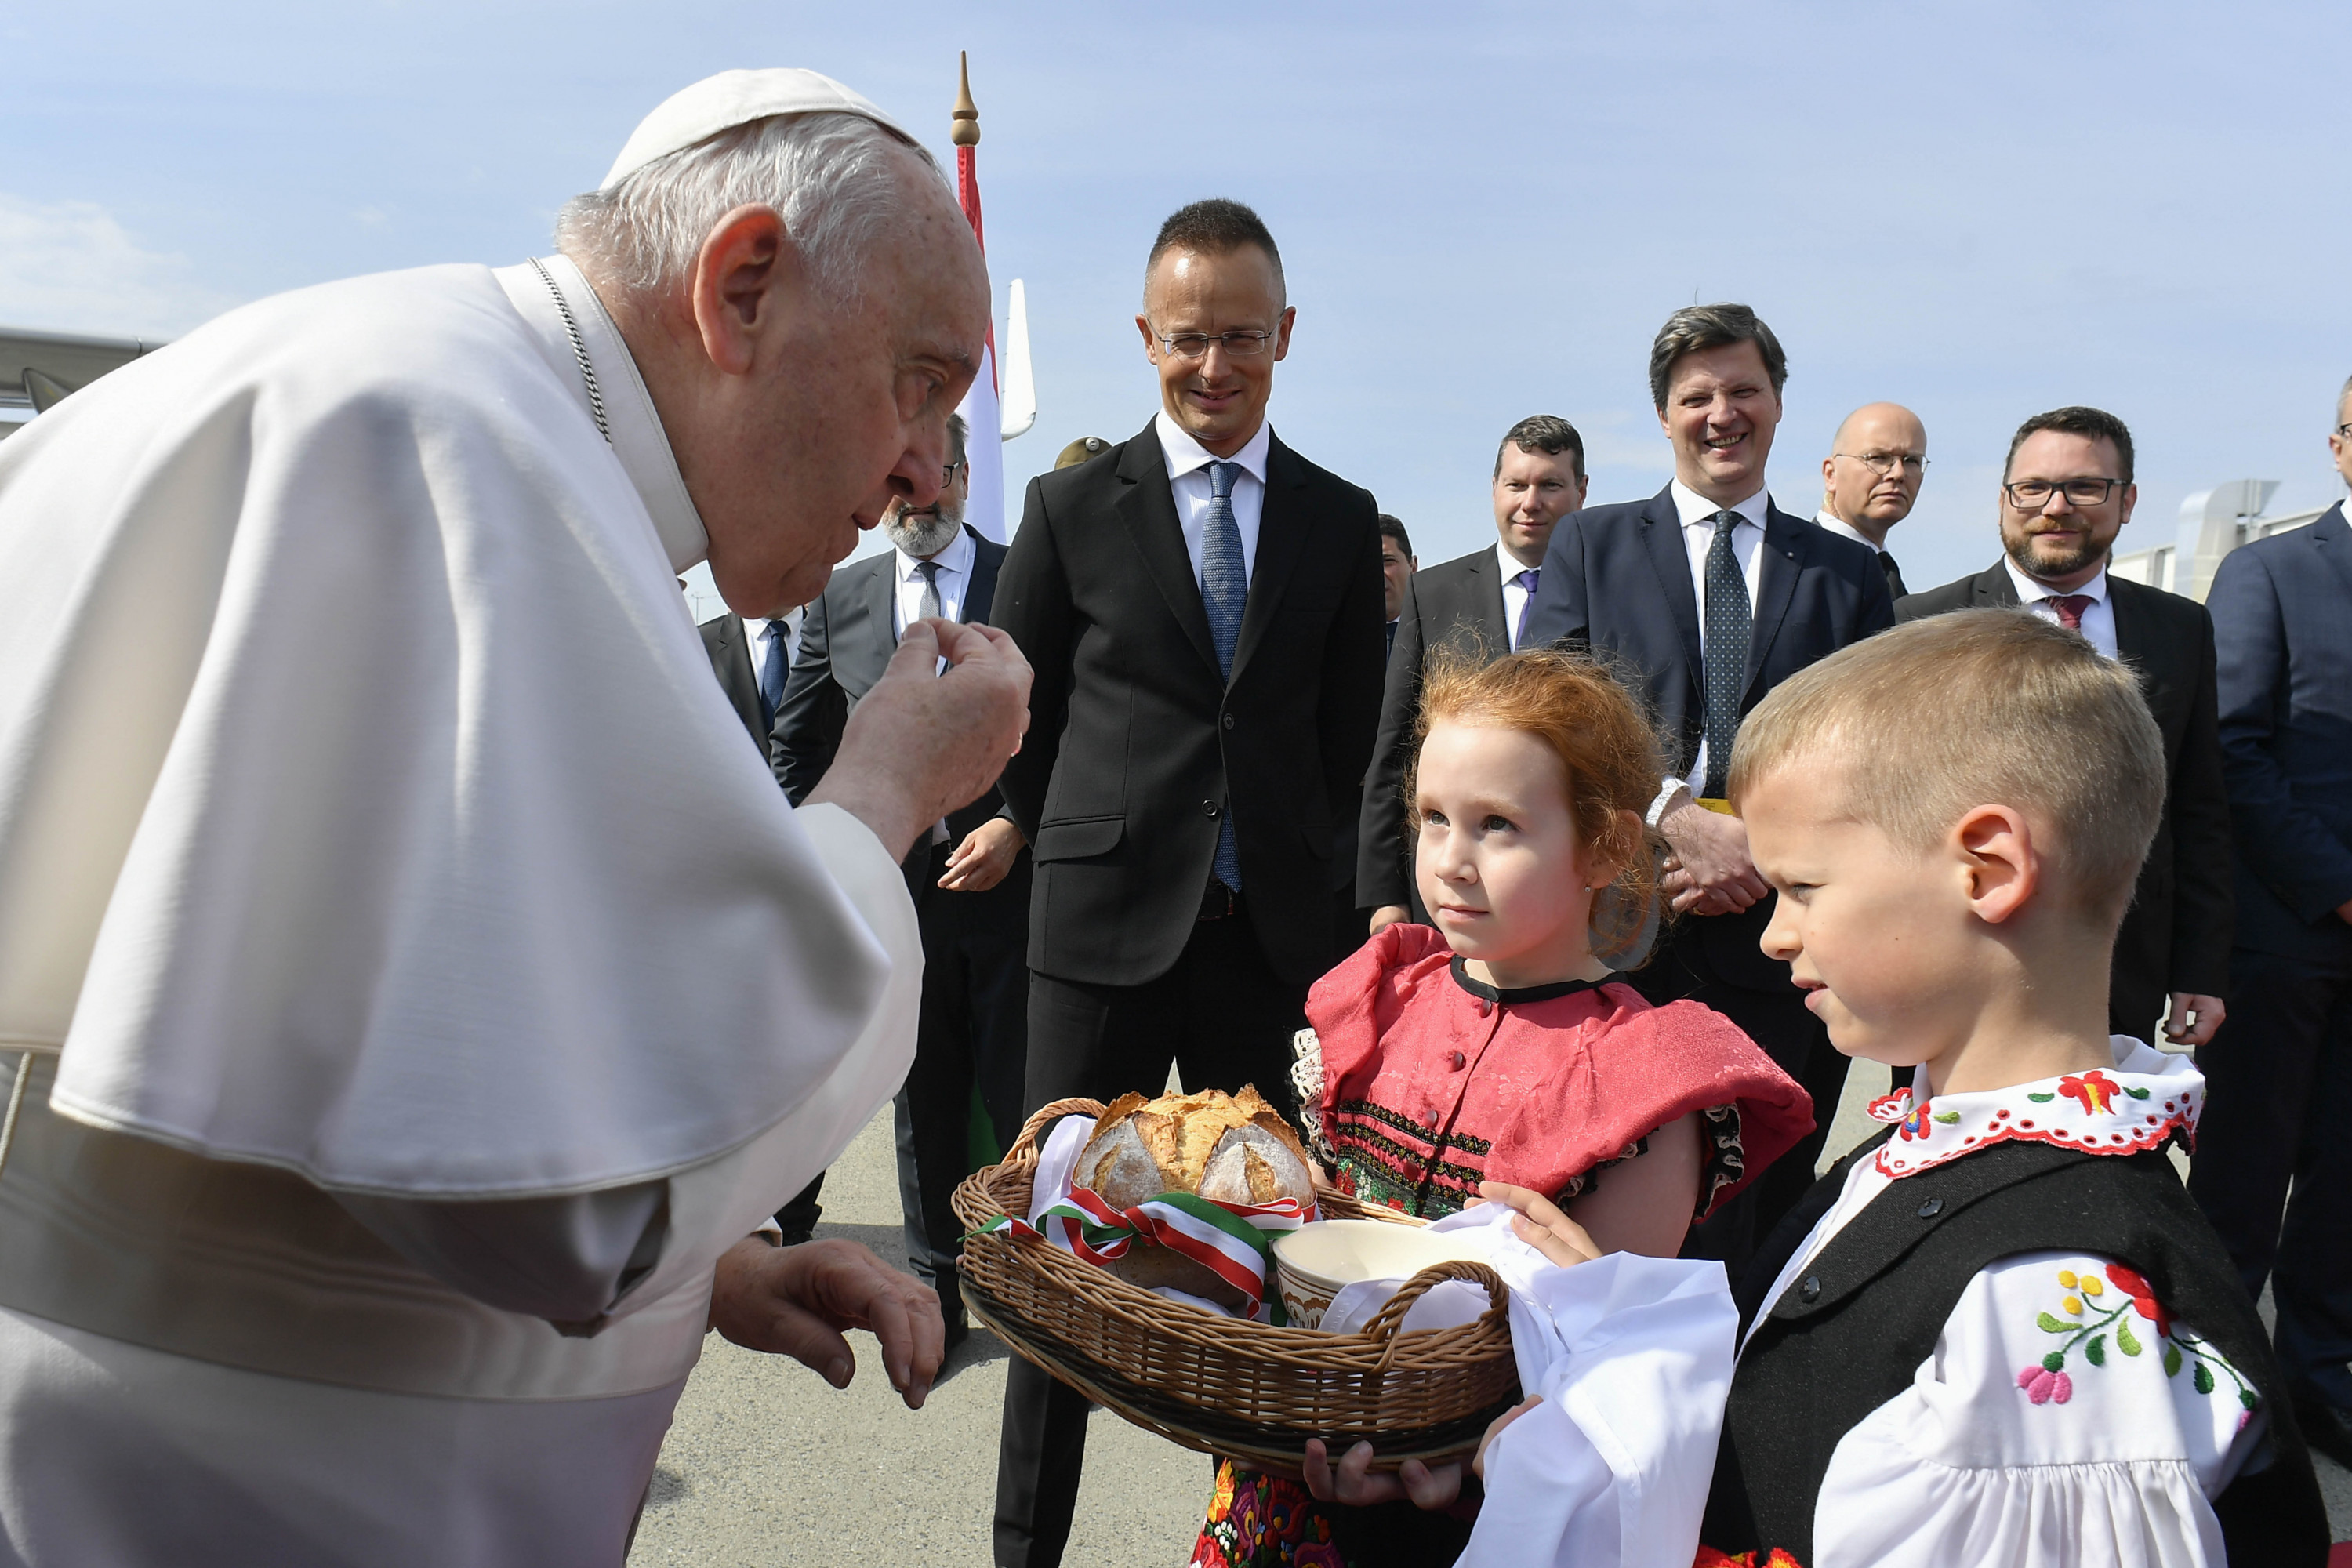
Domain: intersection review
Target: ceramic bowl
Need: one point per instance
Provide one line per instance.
(1315, 1261)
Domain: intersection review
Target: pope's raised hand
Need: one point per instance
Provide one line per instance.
(921, 744)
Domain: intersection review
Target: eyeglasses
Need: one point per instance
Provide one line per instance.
(1195, 346)
(2345, 431)
(2033, 495)
(948, 474)
(1884, 463)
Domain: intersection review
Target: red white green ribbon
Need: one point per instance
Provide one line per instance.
(1234, 1241)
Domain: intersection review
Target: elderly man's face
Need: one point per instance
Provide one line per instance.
(1873, 478)
(1720, 414)
(842, 408)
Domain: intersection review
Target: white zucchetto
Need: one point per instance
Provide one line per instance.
(735, 98)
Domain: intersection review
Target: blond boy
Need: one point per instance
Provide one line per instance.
(1999, 1332)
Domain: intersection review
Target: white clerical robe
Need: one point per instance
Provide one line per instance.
(412, 951)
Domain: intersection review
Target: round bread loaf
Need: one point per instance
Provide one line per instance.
(1231, 1149)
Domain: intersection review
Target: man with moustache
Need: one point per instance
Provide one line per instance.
(2066, 491)
(1710, 595)
(967, 873)
(1203, 608)
(1476, 604)
(1870, 480)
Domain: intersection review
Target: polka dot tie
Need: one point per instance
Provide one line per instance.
(1730, 622)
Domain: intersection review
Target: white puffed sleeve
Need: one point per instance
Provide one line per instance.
(2062, 1422)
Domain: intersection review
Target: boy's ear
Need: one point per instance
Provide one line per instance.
(1995, 846)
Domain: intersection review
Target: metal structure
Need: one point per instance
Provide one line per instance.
(39, 369)
(2212, 523)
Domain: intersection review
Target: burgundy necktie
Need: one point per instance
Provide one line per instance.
(2070, 608)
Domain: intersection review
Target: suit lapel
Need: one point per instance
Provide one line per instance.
(2331, 538)
(1661, 531)
(742, 678)
(980, 591)
(866, 650)
(1281, 540)
(1486, 589)
(1147, 508)
(1994, 587)
(1786, 548)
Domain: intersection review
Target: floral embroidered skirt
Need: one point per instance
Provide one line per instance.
(1260, 1520)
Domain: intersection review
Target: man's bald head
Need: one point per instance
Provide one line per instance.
(1870, 478)
(807, 305)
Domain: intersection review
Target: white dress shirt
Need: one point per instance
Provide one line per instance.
(954, 573)
(1188, 477)
(1746, 548)
(2098, 621)
(1515, 597)
(1845, 530)
(788, 626)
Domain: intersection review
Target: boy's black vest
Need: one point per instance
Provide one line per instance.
(1850, 1334)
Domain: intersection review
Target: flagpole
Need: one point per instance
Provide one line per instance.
(982, 410)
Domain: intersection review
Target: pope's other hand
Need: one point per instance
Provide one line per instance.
(796, 1301)
(919, 745)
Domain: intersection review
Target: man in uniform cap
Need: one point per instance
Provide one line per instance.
(426, 991)
(1078, 451)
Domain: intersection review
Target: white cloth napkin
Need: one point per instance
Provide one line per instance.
(1632, 1356)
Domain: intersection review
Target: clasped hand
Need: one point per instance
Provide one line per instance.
(1540, 1224)
(920, 744)
(1709, 871)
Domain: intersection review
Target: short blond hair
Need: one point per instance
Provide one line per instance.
(1978, 707)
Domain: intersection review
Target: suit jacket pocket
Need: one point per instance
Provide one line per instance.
(1077, 839)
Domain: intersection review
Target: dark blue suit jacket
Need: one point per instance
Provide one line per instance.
(1617, 582)
(2283, 634)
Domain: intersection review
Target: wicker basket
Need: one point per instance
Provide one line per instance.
(1226, 1385)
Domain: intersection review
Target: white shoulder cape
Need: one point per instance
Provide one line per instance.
(367, 805)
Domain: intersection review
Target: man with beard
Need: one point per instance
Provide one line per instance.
(1870, 480)
(2065, 493)
(969, 874)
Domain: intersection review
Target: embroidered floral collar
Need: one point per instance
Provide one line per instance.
(2148, 1100)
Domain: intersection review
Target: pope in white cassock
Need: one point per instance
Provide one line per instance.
(427, 991)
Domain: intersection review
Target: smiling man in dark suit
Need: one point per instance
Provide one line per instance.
(1204, 610)
(1709, 595)
(2066, 491)
(968, 874)
(1475, 605)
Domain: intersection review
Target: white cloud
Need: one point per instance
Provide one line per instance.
(70, 267)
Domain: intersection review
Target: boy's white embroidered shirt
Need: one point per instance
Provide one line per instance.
(2062, 1420)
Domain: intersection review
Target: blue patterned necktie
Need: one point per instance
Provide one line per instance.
(1224, 586)
(1730, 625)
(771, 671)
(1526, 582)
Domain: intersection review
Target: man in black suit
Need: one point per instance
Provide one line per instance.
(1476, 605)
(1707, 596)
(2278, 1075)
(1202, 609)
(1870, 480)
(2171, 959)
(1398, 564)
(969, 875)
(750, 658)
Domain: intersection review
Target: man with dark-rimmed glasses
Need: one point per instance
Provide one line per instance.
(2066, 491)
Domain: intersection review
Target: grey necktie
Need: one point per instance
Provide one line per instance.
(929, 608)
(1526, 582)
(1730, 622)
(1224, 587)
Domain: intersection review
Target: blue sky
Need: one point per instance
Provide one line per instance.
(1485, 210)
